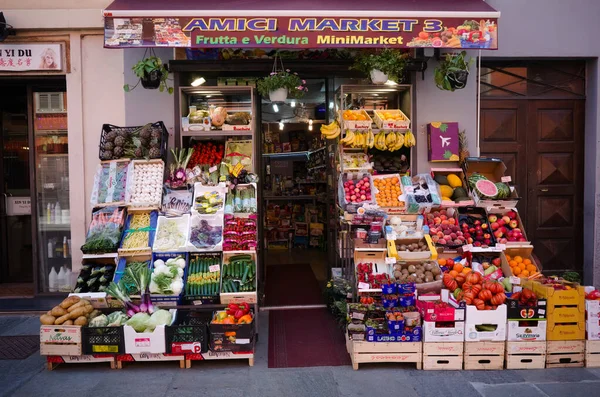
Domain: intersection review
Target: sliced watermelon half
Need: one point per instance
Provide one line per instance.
(486, 189)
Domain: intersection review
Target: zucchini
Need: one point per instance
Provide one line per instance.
(239, 257)
(235, 287)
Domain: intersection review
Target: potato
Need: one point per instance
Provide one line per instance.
(68, 322)
(77, 305)
(70, 301)
(47, 319)
(94, 314)
(80, 311)
(49, 312)
(81, 320)
(61, 319)
(58, 311)
(88, 309)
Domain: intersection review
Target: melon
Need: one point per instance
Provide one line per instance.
(454, 181)
(441, 179)
(503, 190)
(458, 193)
(486, 189)
(446, 190)
(474, 178)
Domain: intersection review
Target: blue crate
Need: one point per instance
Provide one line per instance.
(169, 300)
(151, 232)
(121, 265)
(407, 288)
(389, 289)
(389, 303)
(406, 301)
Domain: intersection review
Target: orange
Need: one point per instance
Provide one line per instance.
(453, 273)
(508, 258)
(466, 270)
(531, 268)
(524, 273)
(442, 262)
(516, 270)
(521, 266)
(518, 259)
(458, 267)
(512, 263)
(527, 261)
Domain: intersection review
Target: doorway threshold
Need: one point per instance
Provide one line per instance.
(293, 307)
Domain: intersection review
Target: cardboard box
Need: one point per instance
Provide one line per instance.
(415, 335)
(438, 332)
(517, 311)
(494, 170)
(571, 297)
(562, 315)
(527, 330)
(592, 308)
(232, 337)
(60, 340)
(592, 328)
(500, 212)
(146, 342)
(495, 318)
(559, 332)
(432, 312)
(442, 142)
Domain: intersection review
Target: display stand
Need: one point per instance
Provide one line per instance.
(526, 355)
(219, 356)
(54, 361)
(383, 352)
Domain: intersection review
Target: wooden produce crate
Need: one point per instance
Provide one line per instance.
(222, 355)
(384, 352)
(389, 125)
(525, 355)
(443, 355)
(484, 355)
(561, 354)
(60, 340)
(592, 353)
(361, 125)
(54, 361)
(121, 358)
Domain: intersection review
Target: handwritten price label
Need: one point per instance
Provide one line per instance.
(467, 247)
(506, 179)
(390, 261)
(363, 286)
(214, 268)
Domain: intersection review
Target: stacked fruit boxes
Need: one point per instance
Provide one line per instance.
(485, 338)
(443, 333)
(592, 333)
(526, 339)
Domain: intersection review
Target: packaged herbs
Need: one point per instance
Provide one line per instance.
(104, 233)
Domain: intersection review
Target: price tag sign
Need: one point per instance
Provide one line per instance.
(392, 236)
(363, 286)
(501, 247)
(390, 260)
(409, 189)
(467, 247)
(214, 268)
(506, 179)
(212, 169)
(515, 280)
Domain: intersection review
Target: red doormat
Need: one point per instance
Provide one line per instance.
(305, 338)
(292, 285)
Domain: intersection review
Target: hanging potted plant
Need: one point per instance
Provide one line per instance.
(152, 73)
(387, 64)
(452, 72)
(280, 85)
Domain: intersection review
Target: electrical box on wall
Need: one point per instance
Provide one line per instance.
(50, 102)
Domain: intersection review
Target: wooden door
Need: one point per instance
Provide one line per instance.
(541, 144)
(555, 182)
(503, 126)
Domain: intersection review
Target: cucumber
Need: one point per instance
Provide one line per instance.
(239, 257)
(225, 289)
(245, 276)
(235, 287)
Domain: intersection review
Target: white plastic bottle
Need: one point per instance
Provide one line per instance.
(53, 281)
(61, 278)
(57, 213)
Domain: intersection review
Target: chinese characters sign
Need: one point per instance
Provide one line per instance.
(26, 57)
(301, 32)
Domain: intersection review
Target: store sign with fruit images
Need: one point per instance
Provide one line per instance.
(442, 141)
(300, 32)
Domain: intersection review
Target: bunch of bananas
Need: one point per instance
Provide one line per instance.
(409, 139)
(358, 139)
(331, 131)
(380, 141)
(394, 141)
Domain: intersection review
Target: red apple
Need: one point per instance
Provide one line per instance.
(498, 234)
(506, 219)
(487, 236)
(522, 239)
(514, 224)
(496, 262)
(492, 218)
(511, 214)
(503, 241)
(484, 226)
(450, 262)
(495, 225)
(477, 222)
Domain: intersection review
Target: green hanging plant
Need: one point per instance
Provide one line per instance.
(452, 72)
(389, 61)
(152, 73)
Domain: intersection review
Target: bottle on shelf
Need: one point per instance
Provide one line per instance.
(53, 281)
(50, 249)
(65, 248)
(52, 219)
(61, 278)
(57, 213)
(48, 211)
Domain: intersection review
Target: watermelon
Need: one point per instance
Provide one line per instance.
(474, 178)
(486, 189)
(503, 190)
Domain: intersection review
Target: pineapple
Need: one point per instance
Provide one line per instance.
(463, 145)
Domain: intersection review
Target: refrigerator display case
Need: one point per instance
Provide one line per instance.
(52, 191)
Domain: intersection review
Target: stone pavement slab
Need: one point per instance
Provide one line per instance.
(510, 390)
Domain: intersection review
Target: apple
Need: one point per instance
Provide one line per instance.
(504, 229)
(503, 241)
(498, 234)
(442, 241)
(469, 240)
(522, 239)
(496, 262)
(506, 219)
(487, 236)
(514, 224)
(484, 226)
(492, 218)
(501, 222)
(512, 214)
(450, 262)
(477, 244)
(487, 241)
(472, 230)
(477, 222)
(495, 225)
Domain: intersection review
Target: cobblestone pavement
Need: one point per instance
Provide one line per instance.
(234, 378)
